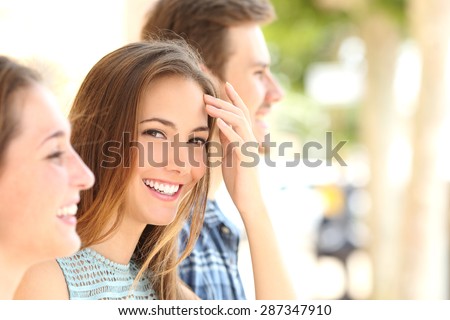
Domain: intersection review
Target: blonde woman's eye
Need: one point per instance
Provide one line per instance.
(197, 141)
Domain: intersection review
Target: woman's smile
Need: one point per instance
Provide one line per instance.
(163, 190)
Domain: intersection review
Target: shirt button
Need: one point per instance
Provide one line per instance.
(225, 230)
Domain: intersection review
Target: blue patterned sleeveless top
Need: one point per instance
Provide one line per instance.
(91, 276)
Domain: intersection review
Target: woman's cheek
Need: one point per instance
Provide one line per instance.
(199, 163)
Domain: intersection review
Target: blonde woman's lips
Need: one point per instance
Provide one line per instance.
(166, 191)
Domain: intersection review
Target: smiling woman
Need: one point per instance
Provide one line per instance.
(162, 120)
(40, 176)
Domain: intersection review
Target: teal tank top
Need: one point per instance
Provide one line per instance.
(91, 276)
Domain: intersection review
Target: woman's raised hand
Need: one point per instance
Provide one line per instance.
(240, 149)
(240, 174)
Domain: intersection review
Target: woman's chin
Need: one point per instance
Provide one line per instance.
(66, 246)
(163, 218)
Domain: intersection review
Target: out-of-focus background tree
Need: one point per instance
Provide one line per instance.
(374, 73)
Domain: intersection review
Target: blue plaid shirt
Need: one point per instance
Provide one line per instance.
(211, 270)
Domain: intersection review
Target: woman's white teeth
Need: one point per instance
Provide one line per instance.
(68, 211)
(164, 188)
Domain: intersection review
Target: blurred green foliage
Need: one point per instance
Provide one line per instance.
(301, 35)
(395, 8)
(304, 34)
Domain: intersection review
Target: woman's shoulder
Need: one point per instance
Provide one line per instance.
(44, 281)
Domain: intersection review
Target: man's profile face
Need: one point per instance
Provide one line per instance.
(248, 70)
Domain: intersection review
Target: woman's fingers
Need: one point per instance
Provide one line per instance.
(229, 132)
(236, 100)
(233, 120)
(245, 150)
(236, 121)
(224, 105)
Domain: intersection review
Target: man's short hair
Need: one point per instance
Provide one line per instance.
(204, 23)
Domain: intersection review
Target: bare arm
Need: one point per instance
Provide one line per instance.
(270, 275)
(241, 179)
(44, 281)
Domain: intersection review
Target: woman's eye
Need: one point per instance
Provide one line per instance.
(197, 141)
(154, 133)
(56, 156)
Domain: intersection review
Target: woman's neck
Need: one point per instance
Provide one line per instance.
(120, 246)
(10, 275)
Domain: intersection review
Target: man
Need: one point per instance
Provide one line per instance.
(228, 35)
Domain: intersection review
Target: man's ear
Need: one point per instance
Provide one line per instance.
(218, 84)
(205, 69)
(210, 74)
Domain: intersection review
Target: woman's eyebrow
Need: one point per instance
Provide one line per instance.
(57, 134)
(162, 121)
(172, 125)
(202, 128)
